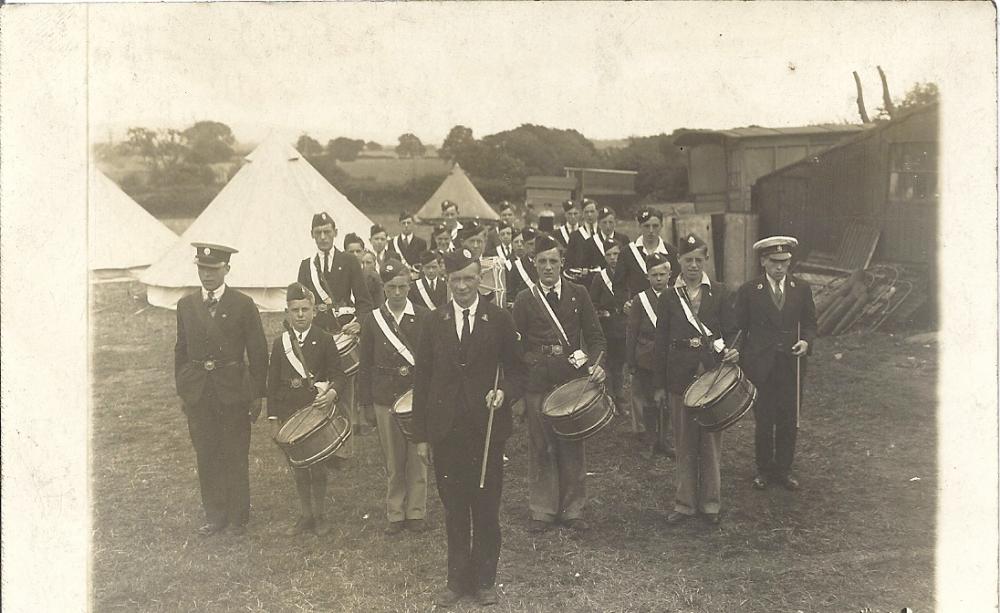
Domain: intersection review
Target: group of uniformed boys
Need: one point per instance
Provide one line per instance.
(578, 301)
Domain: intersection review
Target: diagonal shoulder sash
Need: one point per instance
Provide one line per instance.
(315, 271)
(524, 274)
(600, 244)
(718, 344)
(286, 343)
(641, 261)
(553, 320)
(399, 250)
(607, 282)
(392, 337)
(424, 295)
(565, 234)
(648, 307)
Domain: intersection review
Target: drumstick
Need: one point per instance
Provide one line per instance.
(590, 379)
(798, 377)
(489, 429)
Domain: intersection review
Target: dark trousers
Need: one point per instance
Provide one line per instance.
(774, 412)
(655, 418)
(221, 438)
(471, 515)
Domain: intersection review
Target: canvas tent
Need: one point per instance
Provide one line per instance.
(459, 189)
(265, 212)
(122, 237)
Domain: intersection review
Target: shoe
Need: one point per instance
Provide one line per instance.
(446, 598)
(211, 528)
(676, 517)
(577, 525)
(759, 482)
(538, 526)
(304, 524)
(237, 529)
(712, 519)
(416, 525)
(487, 596)
(789, 482)
(394, 527)
(321, 526)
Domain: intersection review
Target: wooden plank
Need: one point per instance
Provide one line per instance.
(857, 247)
(740, 265)
(700, 226)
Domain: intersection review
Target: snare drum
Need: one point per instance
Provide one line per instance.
(312, 435)
(402, 414)
(578, 409)
(720, 397)
(350, 353)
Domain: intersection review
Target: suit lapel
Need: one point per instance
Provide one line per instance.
(767, 296)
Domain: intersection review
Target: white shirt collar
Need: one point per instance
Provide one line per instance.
(472, 310)
(217, 292)
(557, 288)
(779, 284)
(660, 247)
(302, 335)
(680, 282)
(407, 310)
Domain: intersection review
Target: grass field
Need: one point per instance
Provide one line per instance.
(859, 534)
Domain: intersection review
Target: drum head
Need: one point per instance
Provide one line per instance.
(301, 424)
(403, 404)
(712, 385)
(569, 397)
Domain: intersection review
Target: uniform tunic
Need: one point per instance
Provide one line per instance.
(345, 283)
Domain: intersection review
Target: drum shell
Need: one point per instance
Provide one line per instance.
(350, 353)
(404, 419)
(583, 422)
(729, 407)
(318, 444)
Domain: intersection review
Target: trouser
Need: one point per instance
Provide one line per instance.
(557, 468)
(699, 454)
(616, 372)
(655, 421)
(775, 431)
(471, 514)
(220, 435)
(406, 474)
(348, 404)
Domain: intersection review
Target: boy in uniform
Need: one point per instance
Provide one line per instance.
(429, 290)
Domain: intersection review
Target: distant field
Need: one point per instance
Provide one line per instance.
(395, 171)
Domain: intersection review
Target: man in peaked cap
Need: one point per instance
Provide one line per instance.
(630, 276)
(429, 291)
(407, 245)
(220, 369)
(389, 338)
(334, 277)
(777, 314)
(693, 318)
(466, 347)
(553, 352)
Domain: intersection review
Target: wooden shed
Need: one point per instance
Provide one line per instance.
(542, 191)
(884, 179)
(724, 164)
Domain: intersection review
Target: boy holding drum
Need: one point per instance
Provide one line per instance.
(304, 370)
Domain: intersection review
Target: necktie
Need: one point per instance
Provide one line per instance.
(553, 299)
(779, 296)
(466, 325)
(212, 302)
(326, 262)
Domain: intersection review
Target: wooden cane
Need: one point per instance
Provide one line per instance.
(798, 377)
(489, 429)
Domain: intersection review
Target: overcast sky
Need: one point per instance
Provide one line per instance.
(375, 71)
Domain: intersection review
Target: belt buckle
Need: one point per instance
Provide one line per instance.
(695, 343)
(296, 383)
(557, 350)
(404, 370)
(209, 365)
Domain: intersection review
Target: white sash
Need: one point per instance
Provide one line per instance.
(644, 299)
(391, 337)
(399, 250)
(315, 271)
(565, 234)
(600, 244)
(585, 232)
(638, 257)
(552, 315)
(422, 290)
(524, 273)
(607, 281)
(286, 342)
(718, 344)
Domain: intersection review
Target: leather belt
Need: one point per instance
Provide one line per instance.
(402, 371)
(688, 343)
(211, 365)
(555, 350)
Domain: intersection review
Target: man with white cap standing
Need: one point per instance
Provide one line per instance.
(217, 327)
(778, 316)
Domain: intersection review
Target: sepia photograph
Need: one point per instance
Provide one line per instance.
(582, 306)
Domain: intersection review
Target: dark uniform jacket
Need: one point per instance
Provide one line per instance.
(676, 361)
(383, 374)
(609, 310)
(579, 320)
(630, 279)
(563, 235)
(438, 295)
(225, 339)
(770, 331)
(515, 282)
(577, 248)
(344, 278)
(443, 386)
(287, 392)
(374, 284)
(410, 252)
(640, 337)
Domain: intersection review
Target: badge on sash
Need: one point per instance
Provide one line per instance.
(404, 371)
(296, 383)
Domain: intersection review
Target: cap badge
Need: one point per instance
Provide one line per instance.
(466, 253)
(206, 251)
(691, 240)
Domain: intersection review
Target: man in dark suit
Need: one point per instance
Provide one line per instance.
(294, 381)
(464, 346)
(777, 312)
(221, 393)
(553, 352)
(405, 244)
(640, 336)
(693, 317)
(593, 250)
(609, 313)
(521, 273)
(378, 237)
(507, 217)
(441, 237)
(571, 214)
(430, 291)
(389, 337)
(630, 275)
(341, 293)
(576, 250)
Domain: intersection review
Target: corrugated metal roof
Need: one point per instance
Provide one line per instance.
(604, 170)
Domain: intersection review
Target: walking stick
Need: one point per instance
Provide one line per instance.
(489, 429)
(798, 377)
